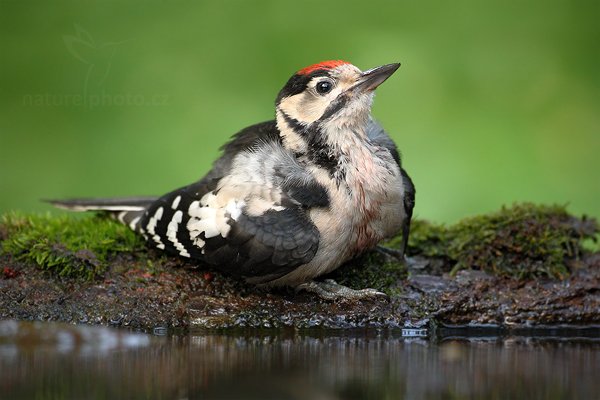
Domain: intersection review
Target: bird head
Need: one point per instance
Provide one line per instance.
(325, 98)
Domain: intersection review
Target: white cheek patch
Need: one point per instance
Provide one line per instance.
(211, 215)
(304, 107)
(152, 226)
(172, 229)
(291, 138)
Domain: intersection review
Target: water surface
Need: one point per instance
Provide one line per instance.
(50, 361)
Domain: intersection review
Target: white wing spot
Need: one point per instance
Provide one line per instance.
(210, 216)
(209, 199)
(234, 208)
(133, 223)
(158, 214)
(175, 203)
(194, 206)
(152, 226)
(121, 216)
(172, 233)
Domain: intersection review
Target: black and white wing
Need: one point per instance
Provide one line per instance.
(253, 222)
(247, 216)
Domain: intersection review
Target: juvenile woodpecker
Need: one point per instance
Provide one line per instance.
(292, 198)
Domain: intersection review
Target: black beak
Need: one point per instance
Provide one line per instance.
(371, 79)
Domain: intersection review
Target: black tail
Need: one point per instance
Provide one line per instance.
(127, 210)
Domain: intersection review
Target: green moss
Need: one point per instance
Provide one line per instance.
(523, 241)
(372, 271)
(66, 245)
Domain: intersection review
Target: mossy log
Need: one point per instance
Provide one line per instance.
(526, 265)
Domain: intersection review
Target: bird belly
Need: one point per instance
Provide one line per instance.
(348, 227)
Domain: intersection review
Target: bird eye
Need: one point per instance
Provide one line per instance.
(324, 87)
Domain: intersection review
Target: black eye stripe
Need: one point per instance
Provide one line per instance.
(298, 83)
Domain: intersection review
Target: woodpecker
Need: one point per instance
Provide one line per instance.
(292, 198)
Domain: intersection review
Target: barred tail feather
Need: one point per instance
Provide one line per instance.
(128, 211)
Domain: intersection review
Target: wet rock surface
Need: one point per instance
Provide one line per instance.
(179, 295)
(523, 266)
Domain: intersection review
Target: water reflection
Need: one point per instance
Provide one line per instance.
(293, 366)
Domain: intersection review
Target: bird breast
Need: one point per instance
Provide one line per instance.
(367, 206)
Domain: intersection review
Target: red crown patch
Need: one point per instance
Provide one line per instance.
(322, 65)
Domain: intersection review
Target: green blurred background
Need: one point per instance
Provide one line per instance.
(495, 102)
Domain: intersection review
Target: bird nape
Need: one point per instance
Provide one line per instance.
(292, 198)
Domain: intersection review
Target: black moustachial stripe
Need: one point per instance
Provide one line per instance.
(339, 103)
(320, 152)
